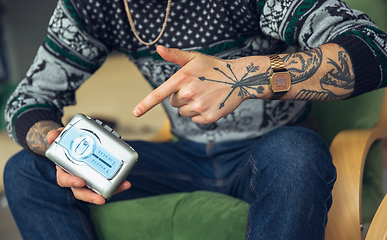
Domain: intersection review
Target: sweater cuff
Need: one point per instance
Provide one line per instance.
(366, 67)
(28, 118)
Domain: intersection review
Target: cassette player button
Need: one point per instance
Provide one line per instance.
(108, 128)
(116, 134)
(82, 146)
(98, 121)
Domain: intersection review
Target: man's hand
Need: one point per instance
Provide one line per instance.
(76, 184)
(207, 88)
(36, 136)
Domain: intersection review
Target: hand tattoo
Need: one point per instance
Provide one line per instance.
(244, 84)
(36, 136)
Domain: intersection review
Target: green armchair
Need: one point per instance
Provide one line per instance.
(207, 215)
(351, 127)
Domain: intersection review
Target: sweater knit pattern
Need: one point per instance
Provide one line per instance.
(82, 33)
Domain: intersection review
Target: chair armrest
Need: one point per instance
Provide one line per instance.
(349, 150)
(378, 227)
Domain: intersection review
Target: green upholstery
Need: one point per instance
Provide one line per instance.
(357, 113)
(206, 215)
(180, 216)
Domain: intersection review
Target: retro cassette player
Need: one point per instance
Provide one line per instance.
(94, 152)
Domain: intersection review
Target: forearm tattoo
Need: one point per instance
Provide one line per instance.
(337, 83)
(303, 65)
(247, 82)
(339, 77)
(36, 136)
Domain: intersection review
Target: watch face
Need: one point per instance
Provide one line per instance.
(280, 82)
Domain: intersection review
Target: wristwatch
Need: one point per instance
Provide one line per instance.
(280, 79)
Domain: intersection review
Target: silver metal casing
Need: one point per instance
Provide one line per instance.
(94, 152)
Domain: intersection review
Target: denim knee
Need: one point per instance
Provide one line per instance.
(292, 177)
(293, 157)
(24, 171)
(295, 147)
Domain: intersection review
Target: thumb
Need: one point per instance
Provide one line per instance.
(51, 135)
(175, 55)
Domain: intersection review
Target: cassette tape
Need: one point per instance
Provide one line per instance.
(94, 152)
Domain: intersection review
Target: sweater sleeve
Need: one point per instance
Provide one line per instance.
(68, 57)
(309, 24)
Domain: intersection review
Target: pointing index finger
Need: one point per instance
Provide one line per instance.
(155, 97)
(170, 86)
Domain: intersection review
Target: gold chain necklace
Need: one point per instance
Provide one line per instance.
(134, 27)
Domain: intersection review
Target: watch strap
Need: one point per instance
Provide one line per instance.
(277, 65)
(278, 95)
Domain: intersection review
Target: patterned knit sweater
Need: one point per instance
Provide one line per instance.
(81, 33)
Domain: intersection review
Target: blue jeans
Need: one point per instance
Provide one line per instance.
(286, 176)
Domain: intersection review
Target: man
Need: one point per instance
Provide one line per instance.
(231, 111)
